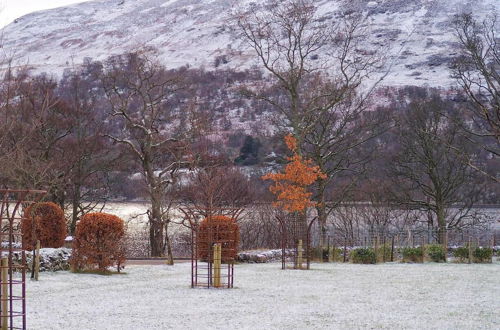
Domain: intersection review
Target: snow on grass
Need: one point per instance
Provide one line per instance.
(331, 296)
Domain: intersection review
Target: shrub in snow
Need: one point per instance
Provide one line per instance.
(98, 242)
(481, 254)
(363, 256)
(435, 252)
(461, 254)
(44, 222)
(384, 252)
(218, 229)
(413, 254)
(325, 251)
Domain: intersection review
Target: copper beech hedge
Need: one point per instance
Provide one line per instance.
(98, 242)
(44, 222)
(218, 229)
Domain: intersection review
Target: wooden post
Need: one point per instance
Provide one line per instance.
(422, 246)
(492, 247)
(331, 256)
(410, 240)
(392, 249)
(37, 260)
(345, 249)
(299, 255)
(470, 250)
(217, 264)
(375, 248)
(5, 293)
(383, 249)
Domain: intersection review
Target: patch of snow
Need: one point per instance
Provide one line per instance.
(330, 296)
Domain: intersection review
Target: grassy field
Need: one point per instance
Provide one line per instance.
(330, 296)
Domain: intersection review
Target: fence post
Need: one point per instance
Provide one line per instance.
(299, 255)
(423, 247)
(37, 260)
(331, 256)
(392, 249)
(345, 249)
(492, 247)
(217, 264)
(470, 250)
(383, 249)
(377, 257)
(5, 293)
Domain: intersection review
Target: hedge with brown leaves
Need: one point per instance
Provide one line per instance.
(218, 229)
(44, 222)
(98, 242)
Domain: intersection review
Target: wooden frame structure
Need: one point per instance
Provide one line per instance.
(213, 248)
(295, 236)
(13, 274)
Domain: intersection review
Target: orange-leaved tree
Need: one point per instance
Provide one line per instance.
(290, 186)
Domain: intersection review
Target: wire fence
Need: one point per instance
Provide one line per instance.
(260, 229)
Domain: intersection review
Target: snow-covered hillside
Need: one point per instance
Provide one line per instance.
(12, 9)
(195, 32)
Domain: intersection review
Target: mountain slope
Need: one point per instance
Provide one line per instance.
(196, 32)
(10, 10)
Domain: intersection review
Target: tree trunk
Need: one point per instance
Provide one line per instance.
(321, 209)
(322, 215)
(168, 245)
(156, 234)
(442, 235)
(156, 229)
(74, 204)
(156, 223)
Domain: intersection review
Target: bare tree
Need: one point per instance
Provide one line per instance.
(88, 157)
(218, 189)
(259, 228)
(476, 71)
(318, 70)
(32, 133)
(214, 186)
(285, 35)
(429, 171)
(142, 95)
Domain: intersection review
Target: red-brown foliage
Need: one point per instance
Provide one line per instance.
(98, 242)
(290, 186)
(218, 229)
(44, 222)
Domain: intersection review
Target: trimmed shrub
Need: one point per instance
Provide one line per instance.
(435, 253)
(363, 256)
(413, 254)
(461, 254)
(482, 255)
(384, 253)
(44, 222)
(98, 242)
(325, 251)
(218, 229)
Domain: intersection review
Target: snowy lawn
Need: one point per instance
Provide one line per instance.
(330, 296)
